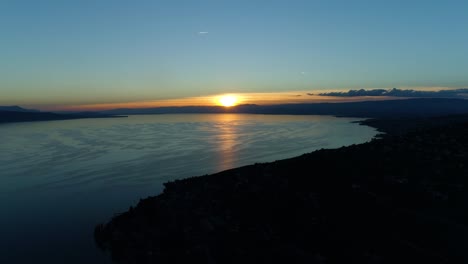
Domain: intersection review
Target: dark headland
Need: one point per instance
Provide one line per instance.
(401, 198)
(13, 114)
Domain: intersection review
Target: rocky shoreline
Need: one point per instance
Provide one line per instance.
(397, 199)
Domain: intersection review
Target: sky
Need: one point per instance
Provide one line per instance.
(67, 53)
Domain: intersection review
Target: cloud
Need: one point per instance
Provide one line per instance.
(455, 93)
(203, 32)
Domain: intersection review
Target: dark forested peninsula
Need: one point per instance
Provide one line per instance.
(13, 115)
(397, 199)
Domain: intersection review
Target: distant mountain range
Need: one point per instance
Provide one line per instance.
(15, 108)
(421, 107)
(9, 114)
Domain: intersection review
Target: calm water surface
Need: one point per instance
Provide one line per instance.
(58, 179)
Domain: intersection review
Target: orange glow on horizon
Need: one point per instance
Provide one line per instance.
(227, 100)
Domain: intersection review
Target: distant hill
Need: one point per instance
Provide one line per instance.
(16, 108)
(421, 107)
(23, 116)
(168, 110)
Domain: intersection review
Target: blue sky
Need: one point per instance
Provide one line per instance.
(89, 52)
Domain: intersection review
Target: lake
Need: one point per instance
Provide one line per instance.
(58, 179)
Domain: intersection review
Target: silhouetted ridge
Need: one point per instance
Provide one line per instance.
(13, 116)
(16, 108)
(376, 109)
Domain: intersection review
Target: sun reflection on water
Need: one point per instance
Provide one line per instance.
(227, 139)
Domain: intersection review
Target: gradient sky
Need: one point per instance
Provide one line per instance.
(70, 52)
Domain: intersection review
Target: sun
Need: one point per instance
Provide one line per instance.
(228, 100)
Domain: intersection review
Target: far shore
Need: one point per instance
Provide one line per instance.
(16, 117)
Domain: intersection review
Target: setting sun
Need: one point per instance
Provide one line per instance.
(228, 100)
